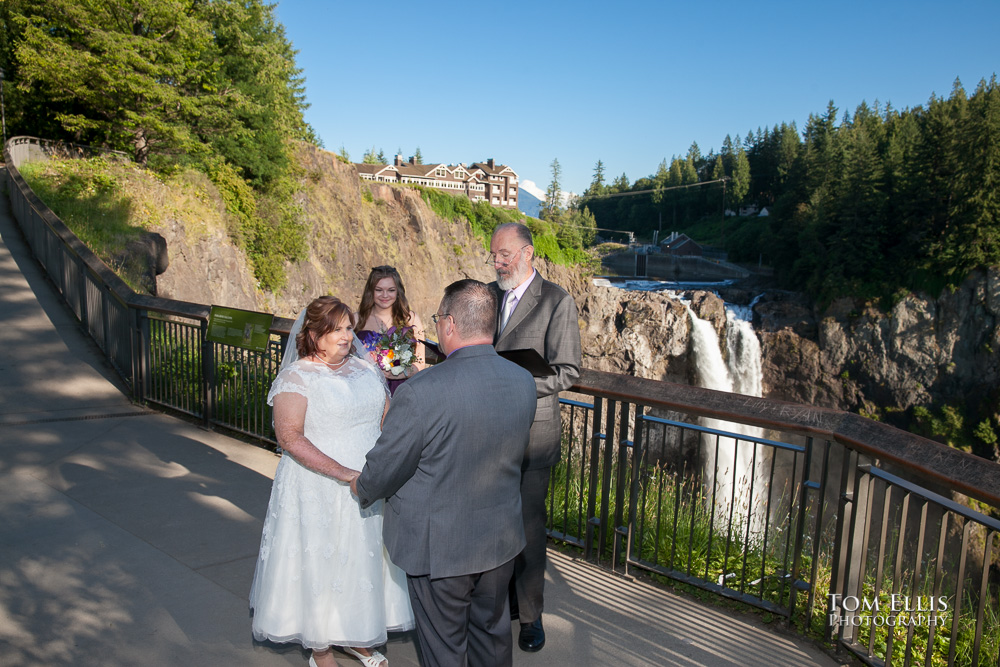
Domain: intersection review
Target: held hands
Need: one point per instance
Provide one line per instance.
(350, 476)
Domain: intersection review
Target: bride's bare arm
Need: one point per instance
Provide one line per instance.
(289, 426)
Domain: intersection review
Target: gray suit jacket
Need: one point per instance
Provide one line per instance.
(544, 320)
(449, 463)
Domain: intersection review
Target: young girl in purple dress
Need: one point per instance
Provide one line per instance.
(383, 306)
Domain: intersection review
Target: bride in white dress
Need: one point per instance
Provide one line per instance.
(323, 577)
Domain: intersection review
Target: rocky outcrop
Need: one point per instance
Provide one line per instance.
(853, 356)
(636, 333)
(143, 260)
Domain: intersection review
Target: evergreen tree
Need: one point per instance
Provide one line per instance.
(675, 176)
(552, 205)
(257, 62)
(740, 183)
(718, 170)
(689, 168)
(119, 73)
(620, 184)
(418, 157)
(189, 80)
(597, 186)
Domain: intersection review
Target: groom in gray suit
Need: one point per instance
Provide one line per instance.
(449, 463)
(539, 315)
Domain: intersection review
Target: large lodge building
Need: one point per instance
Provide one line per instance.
(481, 181)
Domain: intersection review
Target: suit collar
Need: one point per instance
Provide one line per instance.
(472, 351)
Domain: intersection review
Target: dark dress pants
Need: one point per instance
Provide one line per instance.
(529, 566)
(463, 620)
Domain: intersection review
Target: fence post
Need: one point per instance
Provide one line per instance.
(621, 482)
(105, 295)
(606, 474)
(140, 353)
(857, 545)
(800, 527)
(207, 374)
(81, 276)
(597, 435)
(638, 453)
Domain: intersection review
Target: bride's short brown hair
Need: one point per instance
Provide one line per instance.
(322, 316)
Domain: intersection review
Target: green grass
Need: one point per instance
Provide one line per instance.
(242, 377)
(677, 532)
(484, 218)
(107, 203)
(87, 197)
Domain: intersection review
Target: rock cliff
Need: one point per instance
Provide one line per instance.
(352, 226)
(853, 356)
(849, 356)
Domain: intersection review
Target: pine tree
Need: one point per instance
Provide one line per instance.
(552, 205)
(597, 186)
(718, 170)
(689, 169)
(740, 183)
(418, 157)
(620, 184)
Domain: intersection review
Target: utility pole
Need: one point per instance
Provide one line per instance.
(724, 214)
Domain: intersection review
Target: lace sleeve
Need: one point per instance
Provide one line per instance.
(289, 381)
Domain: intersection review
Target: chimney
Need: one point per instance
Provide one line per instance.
(490, 163)
(399, 161)
(413, 160)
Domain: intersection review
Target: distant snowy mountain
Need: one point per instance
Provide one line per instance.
(530, 198)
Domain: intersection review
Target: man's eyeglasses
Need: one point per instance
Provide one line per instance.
(437, 318)
(505, 257)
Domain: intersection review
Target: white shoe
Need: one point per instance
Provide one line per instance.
(376, 659)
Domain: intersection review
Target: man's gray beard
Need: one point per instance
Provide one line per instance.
(509, 282)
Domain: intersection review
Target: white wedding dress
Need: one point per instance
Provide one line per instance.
(323, 577)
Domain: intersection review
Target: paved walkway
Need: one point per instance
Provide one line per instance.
(128, 537)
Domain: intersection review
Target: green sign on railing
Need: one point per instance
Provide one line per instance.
(242, 328)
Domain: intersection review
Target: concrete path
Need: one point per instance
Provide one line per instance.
(128, 537)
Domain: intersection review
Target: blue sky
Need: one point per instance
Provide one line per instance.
(629, 83)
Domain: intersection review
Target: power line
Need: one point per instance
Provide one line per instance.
(642, 192)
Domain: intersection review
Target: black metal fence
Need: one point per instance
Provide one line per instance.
(842, 526)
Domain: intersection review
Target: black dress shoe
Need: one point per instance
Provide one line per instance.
(532, 636)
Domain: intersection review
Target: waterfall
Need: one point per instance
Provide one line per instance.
(744, 352)
(734, 469)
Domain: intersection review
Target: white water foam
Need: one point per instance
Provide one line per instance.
(737, 476)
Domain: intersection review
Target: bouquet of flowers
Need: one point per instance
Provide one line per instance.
(395, 350)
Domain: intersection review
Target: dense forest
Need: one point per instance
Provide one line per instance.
(175, 84)
(876, 203)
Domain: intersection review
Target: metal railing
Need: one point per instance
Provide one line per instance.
(838, 524)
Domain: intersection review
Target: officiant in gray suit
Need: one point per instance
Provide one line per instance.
(536, 314)
(449, 463)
